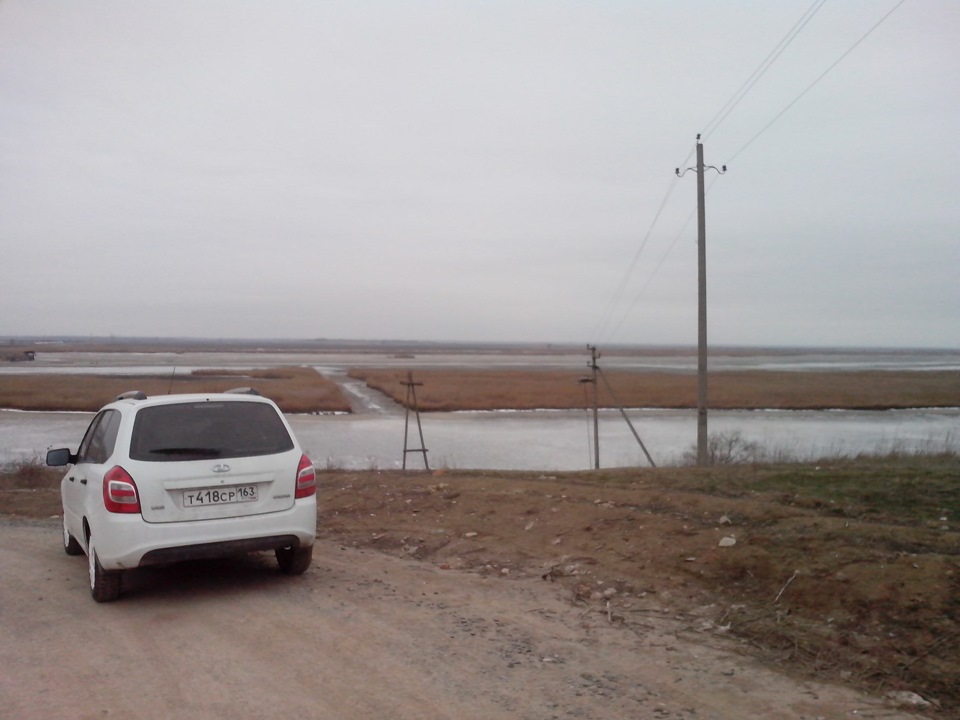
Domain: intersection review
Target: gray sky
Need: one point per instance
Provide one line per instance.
(478, 171)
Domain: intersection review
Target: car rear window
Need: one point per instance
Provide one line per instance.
(200, 430)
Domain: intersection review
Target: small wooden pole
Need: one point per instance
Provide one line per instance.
(412, 396)
(596, 405)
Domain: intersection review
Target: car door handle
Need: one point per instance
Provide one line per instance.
(83, 481)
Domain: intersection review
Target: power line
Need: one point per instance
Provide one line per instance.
(621, 287)
(663, 258)
(643, 288)
(762, 68)
(607, 317)
(818, 79)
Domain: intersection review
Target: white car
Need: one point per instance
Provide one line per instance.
(180, 477)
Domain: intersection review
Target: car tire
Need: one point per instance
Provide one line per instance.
(294, 561)
(104, 586)
(70, 544)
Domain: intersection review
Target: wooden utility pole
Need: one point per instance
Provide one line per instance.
(412, 395)
(598, 375)
(703, 454)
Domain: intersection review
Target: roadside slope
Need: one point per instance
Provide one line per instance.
(360, 635)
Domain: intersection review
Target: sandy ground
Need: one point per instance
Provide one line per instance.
(360, 635)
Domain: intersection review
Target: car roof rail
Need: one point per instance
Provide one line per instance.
(132, 395)
(243, 391)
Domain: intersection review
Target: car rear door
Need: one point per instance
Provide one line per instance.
(204, 460)
(206, 490)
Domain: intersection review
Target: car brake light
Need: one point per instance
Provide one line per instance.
(306, 478)
(120, 492)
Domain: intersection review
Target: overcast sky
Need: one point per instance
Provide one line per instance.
(479, 171)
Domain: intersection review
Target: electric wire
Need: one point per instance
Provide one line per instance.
(817, 80)
(718, 118)
(712, 125)
(762, 68)
(614, 301)
(663, 258)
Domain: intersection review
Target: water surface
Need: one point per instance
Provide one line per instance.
(529, 440)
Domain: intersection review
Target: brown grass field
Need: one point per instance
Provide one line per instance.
(303, 390)
(551, 389)
(295, 390)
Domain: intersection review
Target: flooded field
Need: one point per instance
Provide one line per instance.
(550, 440)
(529, 440)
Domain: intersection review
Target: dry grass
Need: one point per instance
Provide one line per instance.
(846, 570)
(303, 390)
(294, 389)
(875, 566)
(524, 390)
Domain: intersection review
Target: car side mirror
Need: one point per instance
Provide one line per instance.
(60, 457)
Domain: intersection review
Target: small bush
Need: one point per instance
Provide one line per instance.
(728, 449)
(28, 475)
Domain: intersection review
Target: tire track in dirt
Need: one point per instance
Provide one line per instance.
(360, 635)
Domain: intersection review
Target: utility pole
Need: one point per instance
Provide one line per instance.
(596, 402)
(412, 393)
(703, 455)
(598, 375)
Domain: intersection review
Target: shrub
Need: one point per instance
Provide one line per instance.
(727, 449)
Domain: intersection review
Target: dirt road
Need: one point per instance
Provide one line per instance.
(360, 635)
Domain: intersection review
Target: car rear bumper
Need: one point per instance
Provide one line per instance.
(217, 549)
(130, 542)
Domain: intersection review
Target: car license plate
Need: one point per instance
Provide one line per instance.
(219, 496)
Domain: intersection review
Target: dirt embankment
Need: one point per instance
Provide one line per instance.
(847, 573)
(361, 635)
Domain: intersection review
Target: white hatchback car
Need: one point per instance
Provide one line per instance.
(180, 477)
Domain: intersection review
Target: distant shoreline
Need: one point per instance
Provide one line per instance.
(58, 344)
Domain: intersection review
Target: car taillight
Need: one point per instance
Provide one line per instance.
(120, 492)
(306, 478)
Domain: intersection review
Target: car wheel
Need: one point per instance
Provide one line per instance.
(104, 586)
(70, 544)
(294, 561)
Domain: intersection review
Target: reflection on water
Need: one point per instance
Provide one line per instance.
(563, 441)
(550, 440)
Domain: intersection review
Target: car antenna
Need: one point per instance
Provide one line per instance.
(172, 375)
